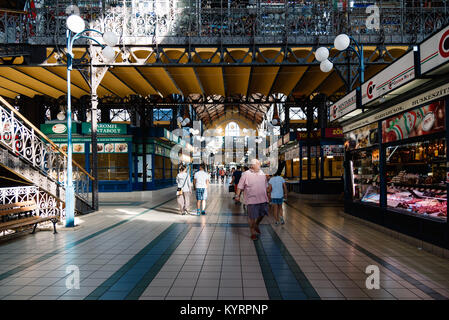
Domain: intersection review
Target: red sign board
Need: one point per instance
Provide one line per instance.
(334, 132)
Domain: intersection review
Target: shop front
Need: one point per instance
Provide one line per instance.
(321, 162)
(396, 157)
(314, 164)
(151, 157)
(114, 147)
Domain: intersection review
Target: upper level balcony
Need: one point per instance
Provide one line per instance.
(215, 22)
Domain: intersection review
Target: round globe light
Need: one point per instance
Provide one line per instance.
(187, 120)
(326, 65)
(75, 23)
(108, 53)
(274, 122)
(110, 38)
(60, 116)
(321, 54)
(179, 119)
(341, 42)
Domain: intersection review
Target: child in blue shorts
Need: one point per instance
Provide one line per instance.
(277, 188)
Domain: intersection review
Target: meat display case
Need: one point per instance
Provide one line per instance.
(365, 175)
(416, 174)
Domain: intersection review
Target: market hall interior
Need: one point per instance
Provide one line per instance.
(110, 109)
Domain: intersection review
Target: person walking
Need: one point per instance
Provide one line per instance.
(184, 190)
(277, 188)
(236, 175)
(201, 181)
(222, 174)
(254, 185)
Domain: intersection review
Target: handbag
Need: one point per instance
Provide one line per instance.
(179, 191)
(231, 188)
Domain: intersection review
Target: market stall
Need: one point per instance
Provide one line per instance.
(113, 147)
(396, 169)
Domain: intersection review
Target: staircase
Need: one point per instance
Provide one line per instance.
(28, 155)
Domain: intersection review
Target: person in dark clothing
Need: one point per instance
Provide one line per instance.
(236, 178)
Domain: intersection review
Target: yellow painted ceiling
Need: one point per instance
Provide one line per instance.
(210, 80)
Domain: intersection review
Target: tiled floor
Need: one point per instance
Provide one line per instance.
(138, 247)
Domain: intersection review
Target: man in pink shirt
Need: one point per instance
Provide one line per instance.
(254, 185)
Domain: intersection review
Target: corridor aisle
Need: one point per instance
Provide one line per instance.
(138, 247)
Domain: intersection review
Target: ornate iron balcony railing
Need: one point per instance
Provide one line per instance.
(152, 22)
(25, 141)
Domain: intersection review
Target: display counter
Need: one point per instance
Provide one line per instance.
(409, 150)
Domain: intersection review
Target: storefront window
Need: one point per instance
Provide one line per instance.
(333, 166)
(416, 175)
(333, 161)
(296, 167)
(158, 167)
(288, 168)
(365, 175)
(168, 169)
(113, 166)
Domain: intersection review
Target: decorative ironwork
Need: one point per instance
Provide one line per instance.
(218, 21)
(22, 140)
(47, 204)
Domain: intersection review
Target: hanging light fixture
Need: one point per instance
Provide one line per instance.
(60, 116)
(276, 119)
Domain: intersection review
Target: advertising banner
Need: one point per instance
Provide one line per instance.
(424, 120)
(343, 106)
(392, 77)
(433, 94)
(434, 51)
(362, 138)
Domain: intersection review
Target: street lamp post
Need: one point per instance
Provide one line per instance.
(76, 30)
(342, 42)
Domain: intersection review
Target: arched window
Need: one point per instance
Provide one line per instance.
(232, 129)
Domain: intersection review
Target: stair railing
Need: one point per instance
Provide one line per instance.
(26, 141)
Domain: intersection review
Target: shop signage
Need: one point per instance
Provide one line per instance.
(392, 77)
(333, 150)
(334, 132)
(302, 135)
(105, 128)
(57, 128)
(401, 107)
(362, 137)
(417, 122)
(434, 51)
(88, 139)
(343, 106)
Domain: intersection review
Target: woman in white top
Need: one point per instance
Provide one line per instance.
(185, 184)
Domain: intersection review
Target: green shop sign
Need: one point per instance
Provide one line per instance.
(57, 128)
(88, 139)
(105, 128)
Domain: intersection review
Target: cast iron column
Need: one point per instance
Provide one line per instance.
(93, 123)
